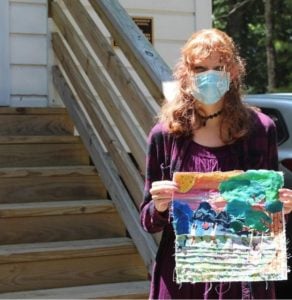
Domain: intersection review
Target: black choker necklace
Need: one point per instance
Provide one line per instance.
(206, 118)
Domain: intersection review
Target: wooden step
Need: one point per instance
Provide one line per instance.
(40, 184)
(73, 263)
(35, 121)
(59, 221)
(121, 290)
(33, 151)
(39, 139)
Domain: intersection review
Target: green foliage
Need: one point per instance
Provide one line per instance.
(244, 21)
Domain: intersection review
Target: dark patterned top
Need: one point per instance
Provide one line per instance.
(167, 154)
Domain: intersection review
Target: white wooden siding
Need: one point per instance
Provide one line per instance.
(29, 80)
(26, 56)
(203, 12)
(28, 49)
(28, 52)
(4, 54)
(164, 6)
(28, 17)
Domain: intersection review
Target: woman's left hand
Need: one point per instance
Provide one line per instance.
(285, 195)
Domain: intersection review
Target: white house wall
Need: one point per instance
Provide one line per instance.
(28, 58)
(4, 54)
(28, 37)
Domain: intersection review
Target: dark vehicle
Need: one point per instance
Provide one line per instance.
(279, 108)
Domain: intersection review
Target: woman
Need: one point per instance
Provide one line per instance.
(205, 128)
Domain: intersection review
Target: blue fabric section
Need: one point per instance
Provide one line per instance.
(182, 217)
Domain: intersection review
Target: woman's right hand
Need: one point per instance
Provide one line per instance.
(162, 192)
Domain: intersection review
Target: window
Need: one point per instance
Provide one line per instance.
(276, 116)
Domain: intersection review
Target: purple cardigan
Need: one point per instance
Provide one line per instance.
(167, 154)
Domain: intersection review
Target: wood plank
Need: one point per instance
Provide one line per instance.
(127, 169)
(56, 208)
(41, 154)
(123, 119)
(119, 194)
(132, 94)
(120, 290)
(32, 111)
(59, 221)
(71, 272)
(35, 125)
(145, 59)
(63, 139)
(62, 264)
(58, 250)
(67, 171)
(69, 227)
(50, 188)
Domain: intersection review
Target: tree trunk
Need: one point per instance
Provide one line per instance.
(269, 45)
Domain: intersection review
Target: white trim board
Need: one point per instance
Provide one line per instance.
(4, 54)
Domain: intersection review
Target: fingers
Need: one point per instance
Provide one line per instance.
(161, 197)
(285, 195)
(161, 192)
(162, 188)
(161, 204)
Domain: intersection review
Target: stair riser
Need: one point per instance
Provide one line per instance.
(133, 296)
(40, 189)
(70, 272)
(60, 228)
(103, 291)
(38, 155)
(46, 243)
(35, 125)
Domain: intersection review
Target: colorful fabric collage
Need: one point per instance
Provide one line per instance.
(229, 226)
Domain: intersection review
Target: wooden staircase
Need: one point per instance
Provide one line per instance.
(60, 235)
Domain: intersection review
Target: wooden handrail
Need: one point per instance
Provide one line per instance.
(143, 241)
(146, 61)
(134, 138)
(77, 43)
(87, 95)
(129, 89)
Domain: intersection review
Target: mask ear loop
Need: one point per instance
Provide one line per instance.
(193, 88)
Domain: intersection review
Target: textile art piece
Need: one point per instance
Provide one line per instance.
(229, 226)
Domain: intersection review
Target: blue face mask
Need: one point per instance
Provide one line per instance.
(210, 86)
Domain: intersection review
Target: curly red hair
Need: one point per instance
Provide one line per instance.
(181, 115)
